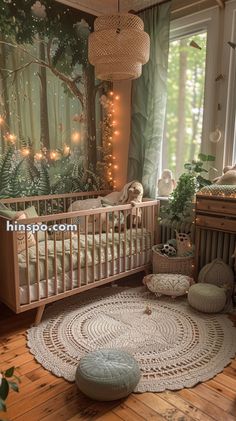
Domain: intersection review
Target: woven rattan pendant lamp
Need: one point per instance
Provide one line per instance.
(118, 47)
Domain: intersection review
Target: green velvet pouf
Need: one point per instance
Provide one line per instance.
(207, 298)
(107, 374)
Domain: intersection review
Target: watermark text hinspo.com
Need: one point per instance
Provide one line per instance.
(16, 226)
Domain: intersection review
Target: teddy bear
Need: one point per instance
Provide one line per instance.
(135, 196)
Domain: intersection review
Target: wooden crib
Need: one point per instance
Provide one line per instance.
(100, 250)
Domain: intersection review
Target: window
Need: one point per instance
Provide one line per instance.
(228, 150)
(190, 115)
(185, 101)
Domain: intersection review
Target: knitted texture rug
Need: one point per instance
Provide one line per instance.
(175, 346)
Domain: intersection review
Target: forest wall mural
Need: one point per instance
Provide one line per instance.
(56, 120)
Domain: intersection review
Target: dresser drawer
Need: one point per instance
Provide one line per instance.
(217, 206)
(222, 224)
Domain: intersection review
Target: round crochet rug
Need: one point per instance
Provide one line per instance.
(175, 345)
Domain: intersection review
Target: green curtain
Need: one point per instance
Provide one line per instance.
(149, 94)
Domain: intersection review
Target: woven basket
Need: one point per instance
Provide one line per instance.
(164, 264)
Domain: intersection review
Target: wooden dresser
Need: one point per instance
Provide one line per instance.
(215, 221)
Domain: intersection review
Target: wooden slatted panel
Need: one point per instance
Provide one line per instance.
(79, 257)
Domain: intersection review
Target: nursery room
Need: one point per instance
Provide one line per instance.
(117, 210)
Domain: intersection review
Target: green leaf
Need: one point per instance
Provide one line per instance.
(9, 372)
(203, 157)
(4, 389)
(2, 406)
(210, 158)
(14, 386)
(17, 378)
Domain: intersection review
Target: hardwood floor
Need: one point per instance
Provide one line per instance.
(45, 397)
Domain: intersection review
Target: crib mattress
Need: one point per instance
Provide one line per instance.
(65, 258)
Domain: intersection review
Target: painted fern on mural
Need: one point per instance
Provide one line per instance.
(43, 187)
(6, 170)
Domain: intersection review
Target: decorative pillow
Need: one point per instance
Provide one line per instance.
(32, 213)
(29, 213)
(168, 284)
(21, 243)
(183, 244)
(86, 204)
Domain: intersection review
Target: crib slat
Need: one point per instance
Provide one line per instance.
(113, 243)
(79, 257)
(131, 240)
(93, 248)
(136, 236)
(125, 240)
(63, 261)
(142, 239)
(27, 267)
(55, 263)
(86, 249)
(107, 242)
(119, 242)
(71, 260)
(37, 266)
(46, 261)
(100, 245)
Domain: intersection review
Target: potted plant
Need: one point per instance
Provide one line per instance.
(7, 381)
(180, 204)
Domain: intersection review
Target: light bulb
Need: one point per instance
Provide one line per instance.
(75, 137)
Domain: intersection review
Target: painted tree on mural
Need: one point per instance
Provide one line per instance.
(49, 99)
(62, 36)
(186, 80)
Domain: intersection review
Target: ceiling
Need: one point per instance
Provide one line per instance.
(178, 7)
(98, 7)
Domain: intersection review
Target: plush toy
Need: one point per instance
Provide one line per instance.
(168, 250)
(228, 177)
(135, 196)
(184, 244)
(166, 184)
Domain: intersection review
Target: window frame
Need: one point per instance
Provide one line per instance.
(207, 20)
(227, 120)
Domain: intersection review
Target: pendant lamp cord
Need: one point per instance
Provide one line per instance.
(118, 28)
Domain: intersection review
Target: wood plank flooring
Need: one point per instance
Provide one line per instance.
(45, 397)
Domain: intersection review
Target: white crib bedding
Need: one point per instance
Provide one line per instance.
(70, 279)
(98, 252)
